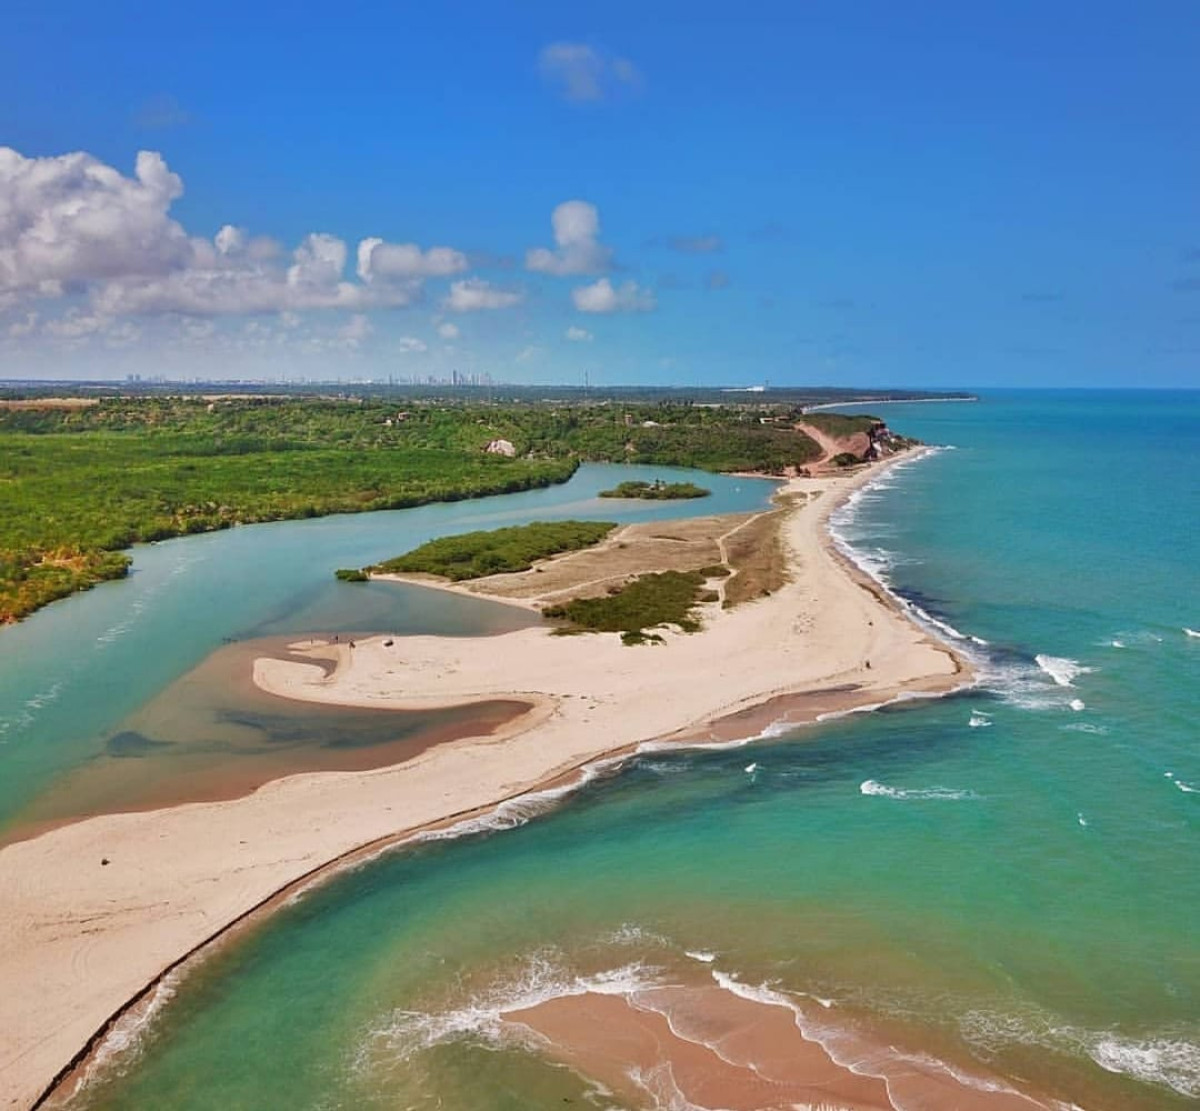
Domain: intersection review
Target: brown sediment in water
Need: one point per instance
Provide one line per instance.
(213, 735)
(87, 939)
(704, 1046)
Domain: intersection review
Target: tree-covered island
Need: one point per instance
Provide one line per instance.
(656, 491)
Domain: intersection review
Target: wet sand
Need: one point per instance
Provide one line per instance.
(706, 1046)
(213, 735)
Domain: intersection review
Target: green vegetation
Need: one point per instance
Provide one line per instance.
(665, 598)
(472, 555)
(656, 490)
(840, 426)
(351, 575)
(79, 483)
(846, 459)
(77, 486)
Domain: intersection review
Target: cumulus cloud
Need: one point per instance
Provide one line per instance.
(388, 261)
(241, 281)
(576, 227)
(71, 225)
(695, 244)
(604, 297)
(584, 73)
(448, 330)
(71, 219)
(475, 294)
(409, 345)
(579, 335)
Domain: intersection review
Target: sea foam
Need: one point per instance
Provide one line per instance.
(1062, 670)
(948, 794)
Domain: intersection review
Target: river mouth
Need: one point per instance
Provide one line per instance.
(212, 735)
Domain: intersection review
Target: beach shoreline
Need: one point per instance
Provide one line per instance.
(103, 909)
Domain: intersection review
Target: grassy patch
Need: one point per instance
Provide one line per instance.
(756, 553)
(665, 598)
(472, 555)
(841, 426)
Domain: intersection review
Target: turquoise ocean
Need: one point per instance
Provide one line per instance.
(1006, 880)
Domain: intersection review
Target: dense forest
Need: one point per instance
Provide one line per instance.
(81, 482)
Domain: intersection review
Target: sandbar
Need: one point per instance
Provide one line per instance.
(97, 911)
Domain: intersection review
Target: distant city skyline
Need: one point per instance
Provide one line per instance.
(937, 195)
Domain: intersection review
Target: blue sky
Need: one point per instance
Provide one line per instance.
(823, 193)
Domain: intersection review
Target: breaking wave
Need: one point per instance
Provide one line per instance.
(881, 790)
(541, 978)
(1167, 1058)
(1062, 670)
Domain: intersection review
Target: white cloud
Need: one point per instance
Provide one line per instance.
(527, 353)
(76, 324)
(448, 330)
(576, 225)
(411, 345)
(72, 225)
(229, 240)
(579, 335)
(585, 73)
(387, 261)
(474, 294)
(603, 297)
(72, 219)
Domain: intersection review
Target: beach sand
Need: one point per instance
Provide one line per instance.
(97, 911)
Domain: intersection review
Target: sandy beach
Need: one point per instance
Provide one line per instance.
(98, 910)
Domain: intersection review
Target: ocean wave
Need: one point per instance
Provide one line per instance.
(629, 933)
(948, 794)
(122, 1045)
(875, 562)
(979, 720)
(540, 979)
(1024, 684)
(847, 1049)
(1190, 632)
(1186, 788)
(1170, 1062)
(1167, 1058)
(1085, 727)
(1062, 670)
(517, 811)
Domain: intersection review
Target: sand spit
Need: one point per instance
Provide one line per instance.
(97, 910)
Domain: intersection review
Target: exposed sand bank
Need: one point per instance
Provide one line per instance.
(722, 1045)
(97, 910)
